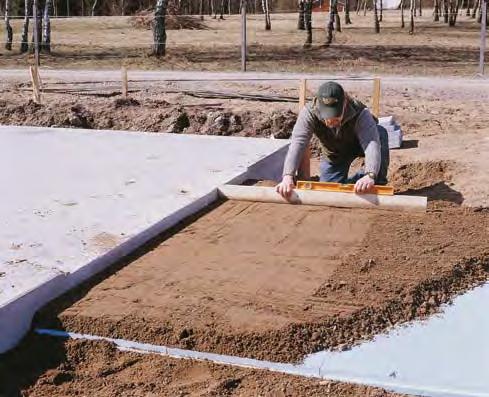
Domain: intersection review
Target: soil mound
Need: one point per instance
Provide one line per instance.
(420, 175)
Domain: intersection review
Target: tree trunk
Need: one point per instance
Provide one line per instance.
(308, 22)
(454, 9)
(330, 24)
(420, 8)
(436, 11)
(415, 9)
(159, 30)
(301, 23)
(201, 9)
(402, 14)
(474, 10)
(24, 41)
(46, 32)
(266, 12)
(359, 6)
(381, 16)
(364, 8)
(445, 11)
(376, 18)
(411, 22)
(347, 12)
(479, 13)
(94, 6)
(37, 30)
(221, 14)
(467, 12)
(8, 28)
(337, 19)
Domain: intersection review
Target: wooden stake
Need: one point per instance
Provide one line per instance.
(124, 82)
(35, 80)
(376, 98)
(304, 171)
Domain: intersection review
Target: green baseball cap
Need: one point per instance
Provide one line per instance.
(330, 98)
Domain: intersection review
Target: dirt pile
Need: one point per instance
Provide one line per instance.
(419, 175)
(75, 368)
(144, 20)
(428, 178)
(150, 115)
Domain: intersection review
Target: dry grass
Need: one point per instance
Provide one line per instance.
(108, 42)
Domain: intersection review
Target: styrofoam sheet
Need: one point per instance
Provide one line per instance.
(74, 201)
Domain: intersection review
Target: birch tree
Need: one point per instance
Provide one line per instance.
(454, 8)
(436, 10)
(301, 23)
(221, 15)
(159, 31)
(330, 24)
(38, 28)
(94, 6)
(347, 12)
(474, 10)
(376, 18)
(46, 31)
(9, 33)
(266, 12)
(411, 22)
(308, 22)
(337, 20)
(24, 40)
(402, 14)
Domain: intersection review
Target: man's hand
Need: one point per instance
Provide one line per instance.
(364, 184)
(285, 187)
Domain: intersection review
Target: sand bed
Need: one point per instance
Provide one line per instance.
(277, 282)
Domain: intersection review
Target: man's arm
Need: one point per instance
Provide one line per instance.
(368, 136)
(301, 135)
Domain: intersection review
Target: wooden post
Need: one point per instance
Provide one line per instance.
(376, 98)
(35, 80)
(304, 171)
(124, 82)
(483, 36)
(243, 35)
